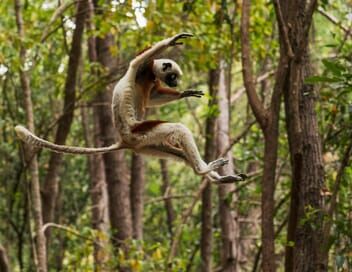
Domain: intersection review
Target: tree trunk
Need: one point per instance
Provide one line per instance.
(137, 195)
(308, 178)
(4, 262)
(99, 194)
(206, 242)
(30, 156)
(304, 252)
(116, 171)
(268, 119)
(51, 183)
(100, 219)
(228, 218)
(166, 191)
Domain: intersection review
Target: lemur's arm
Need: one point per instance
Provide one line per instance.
(162, 95)
(156, 49)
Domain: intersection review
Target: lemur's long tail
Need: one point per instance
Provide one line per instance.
(28, 137)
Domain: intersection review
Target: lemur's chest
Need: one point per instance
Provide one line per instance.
(142, 95)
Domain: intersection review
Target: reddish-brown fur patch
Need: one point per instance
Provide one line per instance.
(164, 90)
(146, 126)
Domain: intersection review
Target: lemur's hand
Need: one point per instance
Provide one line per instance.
(194, 93)
(174, 39)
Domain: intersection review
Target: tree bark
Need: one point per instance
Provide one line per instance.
(99, 194)
(98, 191)
(116, 171)
(166, 190)
(51, 183)
(305, 230)
(137, 195)
(268, 120)
(228, 218)
(30, 156)
(4, 262)
(206, 242)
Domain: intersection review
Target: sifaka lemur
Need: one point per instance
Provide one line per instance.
(141, 87)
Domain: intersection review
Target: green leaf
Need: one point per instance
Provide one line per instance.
(319, 79)
(333, 67)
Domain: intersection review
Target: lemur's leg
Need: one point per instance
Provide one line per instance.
(167, 151)
(176, 135)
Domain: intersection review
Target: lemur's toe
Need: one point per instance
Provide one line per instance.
(218, 163)
(243, 176)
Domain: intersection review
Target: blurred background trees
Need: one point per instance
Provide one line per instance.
(286, 122)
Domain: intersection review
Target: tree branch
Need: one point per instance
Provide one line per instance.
(344, 163)
(69, 230)
(283, 28)
(184, 218)
(256, 105)
(238, 92)
(333, 20)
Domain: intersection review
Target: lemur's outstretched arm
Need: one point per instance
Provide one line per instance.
(157, 48)
(162, 95)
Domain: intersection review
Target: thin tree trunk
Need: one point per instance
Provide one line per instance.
(4, 262)
(116, 171)
(328, 223)
(166, 190)
(268, 120)
(99, 194)
(30, 156)
(228, 218)
(100, 216)
(137, 195)
(206, 242)
(51, 183)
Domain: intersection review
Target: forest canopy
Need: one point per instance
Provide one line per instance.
(277, 83)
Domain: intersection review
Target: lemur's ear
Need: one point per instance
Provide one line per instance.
(166, 65)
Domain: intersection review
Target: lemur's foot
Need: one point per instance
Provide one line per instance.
(217, 164)
(231, 179)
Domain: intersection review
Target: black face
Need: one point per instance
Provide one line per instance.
(171, 80)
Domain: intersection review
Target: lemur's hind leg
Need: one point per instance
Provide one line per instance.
(167, 151)
(180, 137)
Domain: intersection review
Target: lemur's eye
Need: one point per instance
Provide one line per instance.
(173, 76)
(166, 65)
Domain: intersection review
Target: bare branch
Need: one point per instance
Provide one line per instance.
(283, 28)
(239, 136)
(69, 230)
(167, 197)
(184, 218)
(333, 202)
(256, 105)
(333, 20)
(58, 12)
(240, 91)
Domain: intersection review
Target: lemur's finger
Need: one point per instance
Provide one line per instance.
(200, 93)
(180, 36)
(184, 35)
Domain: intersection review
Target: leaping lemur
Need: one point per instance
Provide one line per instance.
(142, 87)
